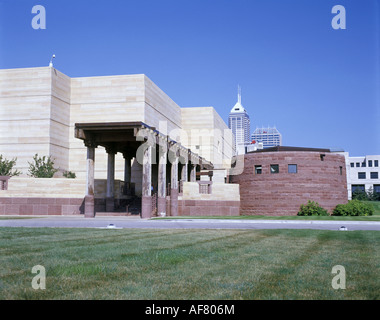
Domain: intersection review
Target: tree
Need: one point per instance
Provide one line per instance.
(6, 167)
(43, 167)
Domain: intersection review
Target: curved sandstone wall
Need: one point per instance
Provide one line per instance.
(320, 177)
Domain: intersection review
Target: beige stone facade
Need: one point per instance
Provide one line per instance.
(205, 132)
(40, 110)
(40, 106)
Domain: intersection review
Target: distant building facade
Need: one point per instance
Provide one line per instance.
(269, 137)
(240, 125)
(363, 173)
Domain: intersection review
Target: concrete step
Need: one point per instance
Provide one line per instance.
(117, 214)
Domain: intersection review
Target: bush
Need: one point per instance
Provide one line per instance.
(369, 195)
(69, 175)
(42, 167)
(312, 209)
(353, 208)
(359, 195)
(6, 167)
(372, 195)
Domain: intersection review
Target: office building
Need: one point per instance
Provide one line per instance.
(269, 137)
(240, 125)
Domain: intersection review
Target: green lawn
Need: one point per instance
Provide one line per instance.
(376, 206)
(188, 264)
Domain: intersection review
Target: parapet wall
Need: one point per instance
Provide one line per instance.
(56, 196)
(224, 200)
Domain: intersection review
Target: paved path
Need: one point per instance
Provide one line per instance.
(127, 222)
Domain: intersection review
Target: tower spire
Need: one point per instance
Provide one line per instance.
(239, 94)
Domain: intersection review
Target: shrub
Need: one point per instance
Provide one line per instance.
(359, 195)
(369, 195)
(69, 175)
(312, 209)
(42, 167)
(6, 167)
(372, 195)
(353, 208)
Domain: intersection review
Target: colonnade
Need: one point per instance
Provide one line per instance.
(178, 157)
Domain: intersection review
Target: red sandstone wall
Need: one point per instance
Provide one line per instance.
(283, 193)
(40, 206)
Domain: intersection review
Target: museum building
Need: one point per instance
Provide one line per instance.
(134, 151)
(131, 147)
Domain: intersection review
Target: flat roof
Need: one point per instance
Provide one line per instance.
(287, 148)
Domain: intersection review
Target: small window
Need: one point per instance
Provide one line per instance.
(274, 168)
(357, 164)
(361, 175)
(363, 164)
(374, 175)
(369, 163)
(376, 163)
(292, 168)
(352, 164)
(258, 169)
(340, 170)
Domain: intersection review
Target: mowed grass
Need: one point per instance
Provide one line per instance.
(188, 264)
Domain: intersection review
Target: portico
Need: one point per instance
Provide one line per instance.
(158, 155)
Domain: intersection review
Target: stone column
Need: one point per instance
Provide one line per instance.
(146, 200)
(127, 174)
(89, 199)
(161, 199)
(110, 196)
(184, 172)
(174, 188)
(193, 173)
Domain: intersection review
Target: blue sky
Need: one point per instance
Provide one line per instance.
(318, 86)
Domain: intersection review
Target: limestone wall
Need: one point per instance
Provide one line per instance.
(40, 106)
(103, 99)
(25, 100)
(206, 134)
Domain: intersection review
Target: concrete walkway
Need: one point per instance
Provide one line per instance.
(136, 222)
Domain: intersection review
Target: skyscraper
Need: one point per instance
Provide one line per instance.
(270, 137)
(239, 123)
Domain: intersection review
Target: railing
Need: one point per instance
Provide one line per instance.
(4, 182)
(205, 187)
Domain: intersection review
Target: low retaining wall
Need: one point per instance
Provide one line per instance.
(208, 208)
(41, 206)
